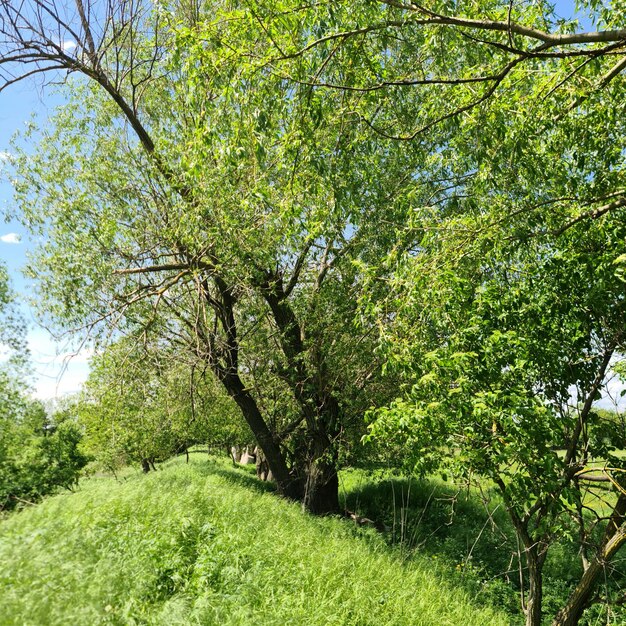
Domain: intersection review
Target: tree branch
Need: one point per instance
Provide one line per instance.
(508, 26)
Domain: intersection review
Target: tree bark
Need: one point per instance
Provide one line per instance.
(321, 491)
(534, 601)
(535, 551)
(317, 460)
(579, 599)
(286, 484)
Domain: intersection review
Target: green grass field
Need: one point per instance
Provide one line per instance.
(206, 544)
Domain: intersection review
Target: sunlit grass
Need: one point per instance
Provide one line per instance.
(205, 544)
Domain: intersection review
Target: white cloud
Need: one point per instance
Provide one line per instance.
(11, 238)
(52, 388)
(68, 45)
(4, 156)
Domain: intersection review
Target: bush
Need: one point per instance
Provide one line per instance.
(38, 455)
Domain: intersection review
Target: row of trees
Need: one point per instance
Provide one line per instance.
(146, 404)
(332, 207)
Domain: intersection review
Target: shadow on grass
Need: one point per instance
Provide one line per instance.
(472, 536)
(467, 537)
(469, 545)
(435, 517)
(243, 477)
(471, 540)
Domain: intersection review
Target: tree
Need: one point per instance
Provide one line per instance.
(244, 217)
(199, 200)
(491, 346)
(145, 403)
(33, 460)
(509, 294)
(38, 453)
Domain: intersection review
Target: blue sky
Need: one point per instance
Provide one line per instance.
(57, 372)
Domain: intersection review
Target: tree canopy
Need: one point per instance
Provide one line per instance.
(332, 207)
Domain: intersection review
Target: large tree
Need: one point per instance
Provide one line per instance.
(504, 349)
(285, 149)
(509, 277)
(199, 197)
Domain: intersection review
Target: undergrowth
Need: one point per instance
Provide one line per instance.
(470, 533)
(206, 544)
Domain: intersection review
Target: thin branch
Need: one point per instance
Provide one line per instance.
(295, 275)
(164, 268)
(591, 215)
(464, 109)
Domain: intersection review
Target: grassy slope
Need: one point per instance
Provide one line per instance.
(203, 544)
(475, 538)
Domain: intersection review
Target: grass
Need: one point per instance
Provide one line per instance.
(205, 544)
(470, 532)
(435, 519)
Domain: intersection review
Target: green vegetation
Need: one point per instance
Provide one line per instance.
(469, 531)
(143, 405)
(206, 544)
(316, 212)
(38, 454)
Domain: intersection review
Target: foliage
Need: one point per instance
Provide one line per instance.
(504, 331)
(142, 402)
(230, 179)
(38, 454)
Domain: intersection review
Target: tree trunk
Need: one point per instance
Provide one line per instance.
(262, 468)
(535, 587)
(313, 476)
(145, 465)
(321, 483)
(535, 551)
(285, 482)
(321, 491)
(233, 453)
(320, 409)
(580, 598)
